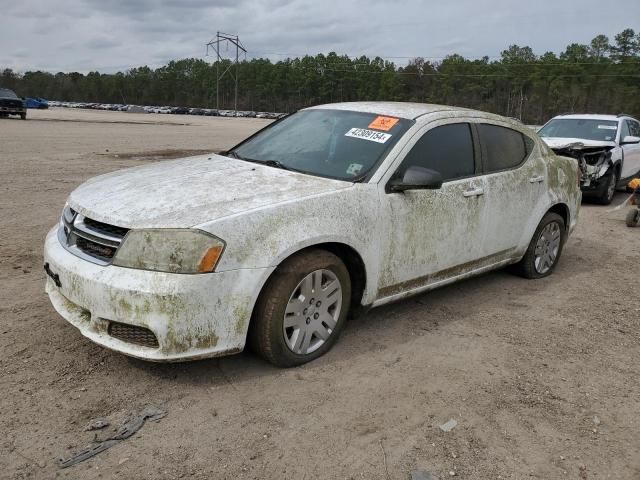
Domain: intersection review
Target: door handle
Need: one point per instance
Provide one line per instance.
(476, 192)
(538, 179)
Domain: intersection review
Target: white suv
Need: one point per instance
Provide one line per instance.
(331, 210)
(606, 146)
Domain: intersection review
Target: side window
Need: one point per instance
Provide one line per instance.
(447, 149)
(503, 148)
(624, 130)
(634, 128)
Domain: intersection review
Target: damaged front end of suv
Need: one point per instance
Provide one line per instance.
(597, 165)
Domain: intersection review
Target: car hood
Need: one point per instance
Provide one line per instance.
(191, 191)
(575, 143)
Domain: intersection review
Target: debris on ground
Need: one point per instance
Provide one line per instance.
(628, 201)
(450, 425)
(97, 424)
(133, 423)
(422, 475)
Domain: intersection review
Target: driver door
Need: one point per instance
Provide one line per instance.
(434, 234)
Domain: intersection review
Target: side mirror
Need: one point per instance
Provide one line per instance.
(417, 178)
(630, 139)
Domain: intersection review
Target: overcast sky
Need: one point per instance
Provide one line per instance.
(110, 35)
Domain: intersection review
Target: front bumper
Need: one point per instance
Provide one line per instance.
(191, 316)
(13, 110)
(594, 184)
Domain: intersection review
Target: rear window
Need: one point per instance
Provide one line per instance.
(503, 148)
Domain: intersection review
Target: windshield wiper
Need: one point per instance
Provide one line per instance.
(232, 154)
(279, 164)
(268, 163)
(271, 163)
(276, 164)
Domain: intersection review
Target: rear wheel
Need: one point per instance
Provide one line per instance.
(23, 116)
(302, 309)
(544, 249)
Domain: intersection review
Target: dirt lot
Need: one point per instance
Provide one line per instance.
(541, 376)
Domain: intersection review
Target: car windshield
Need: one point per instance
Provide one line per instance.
(337, 144)
(6, 93)
(588, 129)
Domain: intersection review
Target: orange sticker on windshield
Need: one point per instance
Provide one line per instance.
(383, 123)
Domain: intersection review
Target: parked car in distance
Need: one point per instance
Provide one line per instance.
(607, 148)
(179, 110)
(211, 112)
(11, 104)
(37, 103)
(329, 211)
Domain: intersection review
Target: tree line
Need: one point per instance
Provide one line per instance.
(601, 77)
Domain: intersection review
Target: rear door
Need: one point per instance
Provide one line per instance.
(631, 159)
(515, 184)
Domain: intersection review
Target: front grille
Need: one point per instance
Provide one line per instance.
(105, 228)
(133, 334)
(95, 249)
(11, 103)
(89, 239)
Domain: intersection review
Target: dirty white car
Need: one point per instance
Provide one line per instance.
(607, 148)
(332, 210)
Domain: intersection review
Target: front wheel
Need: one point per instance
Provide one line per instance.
(302, 309)
(544, 249)
(608, 189)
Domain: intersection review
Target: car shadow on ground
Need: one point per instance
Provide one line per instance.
(591, 200)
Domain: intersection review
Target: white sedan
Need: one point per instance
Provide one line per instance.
(326, 212)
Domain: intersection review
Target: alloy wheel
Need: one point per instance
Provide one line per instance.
(312, 312)
(547, 248)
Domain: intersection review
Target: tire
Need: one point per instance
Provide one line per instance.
(633, 217)
(285, 292)
(23, 116)
(608, 189)
(531, 264)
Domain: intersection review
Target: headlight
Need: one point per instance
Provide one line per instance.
(170, 250)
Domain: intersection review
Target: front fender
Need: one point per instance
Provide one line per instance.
(268, 235)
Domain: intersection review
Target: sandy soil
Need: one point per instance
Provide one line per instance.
(541, 376)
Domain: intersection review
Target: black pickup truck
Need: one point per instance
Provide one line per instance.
(11, 104)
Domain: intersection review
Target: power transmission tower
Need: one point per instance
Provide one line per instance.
(225, 38)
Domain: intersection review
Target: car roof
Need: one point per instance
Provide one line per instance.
(592, 116)
(406, 110)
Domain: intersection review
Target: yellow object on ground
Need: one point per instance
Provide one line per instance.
(633, 184)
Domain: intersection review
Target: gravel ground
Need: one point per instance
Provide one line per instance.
(541, 376)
